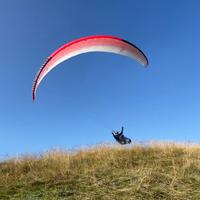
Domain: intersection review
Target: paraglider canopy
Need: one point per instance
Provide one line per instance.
(97, 43)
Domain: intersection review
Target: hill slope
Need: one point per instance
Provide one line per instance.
(156, 171)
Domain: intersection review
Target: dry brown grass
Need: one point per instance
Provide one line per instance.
(153, 171)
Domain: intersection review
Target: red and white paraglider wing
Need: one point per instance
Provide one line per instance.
(89, 44)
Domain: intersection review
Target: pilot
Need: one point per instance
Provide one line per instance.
(120, 137)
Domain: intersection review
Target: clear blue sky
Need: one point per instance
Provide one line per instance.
(82, 100)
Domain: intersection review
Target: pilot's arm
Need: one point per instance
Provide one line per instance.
(122, 130)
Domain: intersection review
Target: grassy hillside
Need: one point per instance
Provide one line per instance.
(156, 171)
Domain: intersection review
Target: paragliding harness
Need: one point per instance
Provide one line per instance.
(120, 137)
